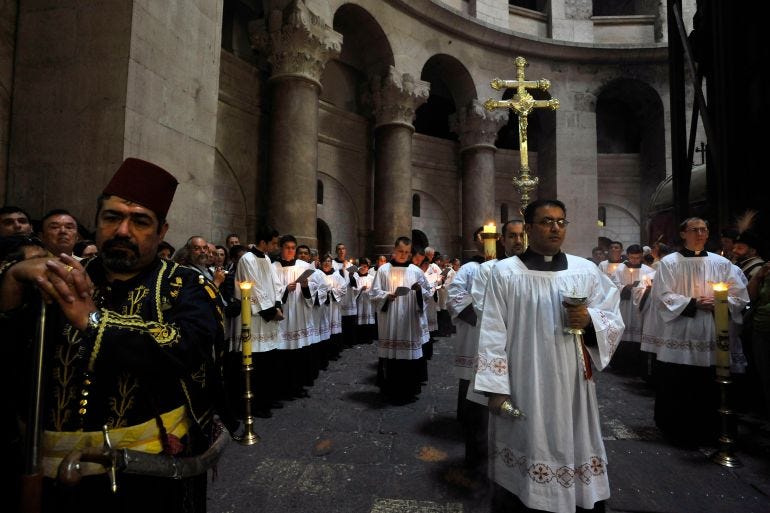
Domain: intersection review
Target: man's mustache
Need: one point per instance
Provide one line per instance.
(120, 243)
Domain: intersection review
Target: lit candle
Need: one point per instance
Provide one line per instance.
(489, 236)
(245, 287)
(721, 321)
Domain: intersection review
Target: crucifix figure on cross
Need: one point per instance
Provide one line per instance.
(522, 104)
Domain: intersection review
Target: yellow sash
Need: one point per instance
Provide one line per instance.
(142, 437)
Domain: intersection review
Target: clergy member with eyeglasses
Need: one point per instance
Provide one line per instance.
(682, 294)
(546, 451)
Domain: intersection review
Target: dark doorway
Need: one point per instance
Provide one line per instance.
(324, 235)
(419, 239)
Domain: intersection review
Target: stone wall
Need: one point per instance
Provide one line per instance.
(236, 194)
(435, 177)
(96, 83)
(69, 102)
(619, 183)
(171, 102)
(494, 12)
(344, 166)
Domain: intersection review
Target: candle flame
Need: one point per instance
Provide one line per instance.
(490, 228)
(245, 285)
(720, 286)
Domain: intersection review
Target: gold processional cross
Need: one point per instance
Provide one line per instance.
(522, 104)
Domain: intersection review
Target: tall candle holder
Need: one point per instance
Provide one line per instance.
(724, 454)
(249, 437)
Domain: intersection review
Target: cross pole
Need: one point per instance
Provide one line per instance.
(522, 104)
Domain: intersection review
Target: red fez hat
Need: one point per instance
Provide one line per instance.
(144, 183)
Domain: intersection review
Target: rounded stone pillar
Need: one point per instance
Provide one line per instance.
(395, 99)
(298, 44)
(477, 129)
(293, 158)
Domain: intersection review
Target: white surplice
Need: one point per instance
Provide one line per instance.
(467, 336)
(265, 294)
(443, 293)
(608, 268)
(402, 329)
(553, 459)
(297, 329)
(337, 289)
(433, 276)
(651, 321)
(632, 318)
(320, 308)
(691, 340)
(366, 311)
(348, 304)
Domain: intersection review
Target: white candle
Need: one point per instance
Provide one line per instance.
(489, 236)
(722, 324)
(245, 287)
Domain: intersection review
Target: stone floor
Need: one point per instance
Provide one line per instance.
(344, 449)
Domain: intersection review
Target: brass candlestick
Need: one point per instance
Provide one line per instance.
(249, 437)
(724, 455)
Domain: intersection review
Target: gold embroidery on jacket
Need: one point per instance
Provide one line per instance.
(120, 405)
(64, 375)
(135, 298)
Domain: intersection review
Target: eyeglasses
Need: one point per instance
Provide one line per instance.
(697, 230)
(549, 222)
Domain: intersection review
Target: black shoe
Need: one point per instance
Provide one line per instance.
(276, 405)
(301, 393)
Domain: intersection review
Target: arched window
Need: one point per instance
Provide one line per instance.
(319, 193)
(416, 205)
(602, 216)
(503, 213)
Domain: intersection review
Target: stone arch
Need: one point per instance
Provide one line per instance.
(451, 87)
(419, 239)
(339, 212)
(630, 124)
(436, 223)
(622, 224)
(366, 52)
(324, 236)
(365, 45)
(231, 214)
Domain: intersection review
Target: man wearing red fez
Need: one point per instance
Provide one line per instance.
(130, 339)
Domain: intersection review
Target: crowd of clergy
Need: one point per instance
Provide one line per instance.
(649, 311)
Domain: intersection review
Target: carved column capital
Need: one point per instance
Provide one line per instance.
(394, 99)
(476, 126)
(297, 42)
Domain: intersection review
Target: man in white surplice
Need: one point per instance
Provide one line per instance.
(551, 457)
(297, 331)
(472, 407)
(266, 309)
(399, 293)
(683, 297)
(629, 277)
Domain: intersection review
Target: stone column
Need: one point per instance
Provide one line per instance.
(394, 99)
(298, 44)
(477, 129)
(571, 20)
